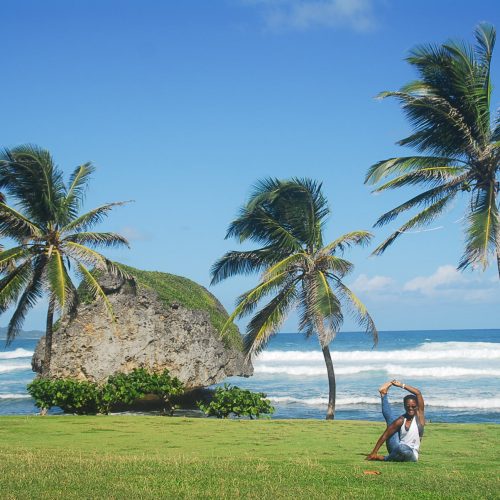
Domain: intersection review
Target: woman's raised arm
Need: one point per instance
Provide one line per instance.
(417, 393)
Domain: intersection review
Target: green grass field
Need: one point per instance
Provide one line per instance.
(159, 457)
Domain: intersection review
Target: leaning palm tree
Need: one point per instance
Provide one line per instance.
(49, 236)
(449, 108)
(286, 219)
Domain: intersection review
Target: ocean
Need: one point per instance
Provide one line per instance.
(457, 371)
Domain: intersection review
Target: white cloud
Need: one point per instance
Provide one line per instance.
(304, 14)
(363, 283)
(444, 277)
(445, 284)
(448, 283)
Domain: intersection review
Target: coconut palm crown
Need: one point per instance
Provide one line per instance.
(449, 107)
(286, 219)
(50, 238)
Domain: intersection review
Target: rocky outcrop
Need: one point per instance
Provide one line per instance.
(154, 329)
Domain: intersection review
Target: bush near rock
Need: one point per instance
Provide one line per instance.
(88, 398)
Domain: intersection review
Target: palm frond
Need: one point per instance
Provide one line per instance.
(91, 285)
(78, 182)
(430, 177)
(262, 227)
(287, 213)
(329, 309)
(333, 264)
(406, 164)
(91, 218)
(440, 126)
(10, 257)
(14, 283)
(247, 302)
(32, 293)
(307, 210)
(268, 320)
(109, 240)
(233, 263)
(85, 254)
(483, 229)
(485, 38)
(359, 310)
(421, 219)
(347, 240)
(426, 199)
(58, 280)
(15, 225)
(30, 176)
(288, 265)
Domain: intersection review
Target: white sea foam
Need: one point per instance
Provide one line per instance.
(425, 352)
(17, 353)
(15, 396)
(14, 367)
(312, 371)
(390, 370)
(480, 404)
(440, 372)
(324, 401)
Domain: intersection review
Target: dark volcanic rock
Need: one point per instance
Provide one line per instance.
(149, 332)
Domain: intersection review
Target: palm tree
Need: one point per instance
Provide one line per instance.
(449, 109)
(286, 218)
(49, 236)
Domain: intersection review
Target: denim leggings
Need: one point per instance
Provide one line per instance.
(398, 452)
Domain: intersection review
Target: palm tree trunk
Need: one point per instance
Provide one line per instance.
(48, 338)
(332, 386)
(498, 260)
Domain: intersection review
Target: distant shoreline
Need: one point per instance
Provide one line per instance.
(35, 334)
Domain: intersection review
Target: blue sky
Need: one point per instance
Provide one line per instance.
(182, 106)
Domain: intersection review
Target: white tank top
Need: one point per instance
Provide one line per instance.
(411, 436)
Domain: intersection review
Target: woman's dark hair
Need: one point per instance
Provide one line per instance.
(410, 396)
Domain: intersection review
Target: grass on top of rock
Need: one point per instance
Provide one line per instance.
(177, 289)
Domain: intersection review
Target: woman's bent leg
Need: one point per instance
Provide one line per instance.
(401, 453)
(387, 410)
(393, 442)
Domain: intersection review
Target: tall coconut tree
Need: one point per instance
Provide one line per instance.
(286, 219)
(49, 237)
(449, 107)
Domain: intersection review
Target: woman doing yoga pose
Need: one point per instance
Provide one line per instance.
(404, 433)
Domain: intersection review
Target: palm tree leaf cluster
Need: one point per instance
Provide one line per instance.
(449, 108)
(51, 238)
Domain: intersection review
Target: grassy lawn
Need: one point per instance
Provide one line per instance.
(159, 457)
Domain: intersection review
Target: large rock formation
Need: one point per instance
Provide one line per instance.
(162, 321)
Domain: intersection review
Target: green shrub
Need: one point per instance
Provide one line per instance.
(72, 396)
(82, 397)
(231, 400)
(126, 388)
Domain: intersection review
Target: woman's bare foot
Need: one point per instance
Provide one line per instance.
(384, 388)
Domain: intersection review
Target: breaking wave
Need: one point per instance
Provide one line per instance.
(14, 367)
(482, 404)
(15, 396)
(17, 353)
(425, 352)
(390, 370)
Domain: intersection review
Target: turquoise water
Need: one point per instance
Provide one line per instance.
(458, 372)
